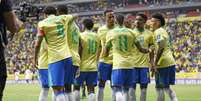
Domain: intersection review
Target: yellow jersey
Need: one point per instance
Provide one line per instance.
(121, 40)
(166, 59)
(43, 56)
(73, 37)
(90, 43)
(102, 32)
(53, 29)
(145, 38)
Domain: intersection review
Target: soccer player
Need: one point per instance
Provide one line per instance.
(105, 63)
(59, 58)
(89, 53)
(142, 60)
(122, 41)
(128, 23)
(164, 61)
(73, 38)
(43, 71)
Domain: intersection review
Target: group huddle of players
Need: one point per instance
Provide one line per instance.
(122, 54)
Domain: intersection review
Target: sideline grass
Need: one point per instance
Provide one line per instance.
(30, 92)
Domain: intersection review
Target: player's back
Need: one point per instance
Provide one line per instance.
(53, 30)
(90, 43)
(122, 40)
(73, 42)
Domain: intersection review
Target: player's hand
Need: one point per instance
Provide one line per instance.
(153, 70)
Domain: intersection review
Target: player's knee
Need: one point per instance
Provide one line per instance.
(143, 86)
(101, 84)
(68, 88)
(76, 87)
(90, 89)
(58, 88)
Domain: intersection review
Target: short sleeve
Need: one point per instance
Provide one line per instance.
(67, 18)
(159, 37)
(40, 31)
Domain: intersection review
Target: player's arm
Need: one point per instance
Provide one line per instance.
(98, 51)
(13, 24)
(80, 48)
(139, 47)
(38, 45)
(151, 57)
(159, 51)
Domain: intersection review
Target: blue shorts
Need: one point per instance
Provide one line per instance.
(142, 76)
(70, 75)
(89, 77)
(43, 77)
(58, 72)
(123, 77)
(165, 77)
(104, 71)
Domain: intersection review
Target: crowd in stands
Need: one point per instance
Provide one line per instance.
(103, 4)
(186, 36)
(186, 45)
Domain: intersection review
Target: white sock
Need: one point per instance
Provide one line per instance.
(76, 95)
(69, 96)
(53, 97)
(119, 96)
(160, 94)
(131, 93)
(113, 94)
(171, 94)
(43, 94)
(125, 95)
(100, 94)
(91, 97)
(61, 97)
(143, 94)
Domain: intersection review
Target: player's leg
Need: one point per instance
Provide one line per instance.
(84, 90)
(160, 79)
(171, 79)
(77, 83)
(144, 79)
(117, 83)
(43, 77)
(129, 84)
(57, 72)
(104, 74)
(70, 76)
(91, 82)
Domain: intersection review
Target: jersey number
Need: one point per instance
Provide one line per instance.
(123, 43)
(92, 46)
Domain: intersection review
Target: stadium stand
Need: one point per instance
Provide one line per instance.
(185, 28)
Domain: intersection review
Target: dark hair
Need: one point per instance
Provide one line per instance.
(62, 9)
(120, 19)
(159, 17)
(88, 23)
(107, 11)
(50, 10)
(143, 16)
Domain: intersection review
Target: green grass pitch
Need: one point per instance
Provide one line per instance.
(30, 92)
